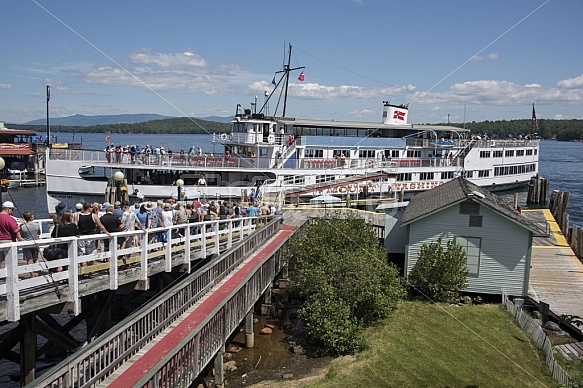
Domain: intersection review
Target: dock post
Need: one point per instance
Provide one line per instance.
(544, 310)
(28, 349)
(249, 334)
(218, 366)
(266, 305)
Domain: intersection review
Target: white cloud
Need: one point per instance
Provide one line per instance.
(477, 58)
(5, 86)
(499, 93)
(172, 61)
(570, 83)
(493, 56)
(314, 91)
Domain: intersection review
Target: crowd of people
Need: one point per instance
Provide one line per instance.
(153, 155)
(93, 218)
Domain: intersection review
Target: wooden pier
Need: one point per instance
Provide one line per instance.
(556, 275)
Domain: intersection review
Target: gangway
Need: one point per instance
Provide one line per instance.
(337, 183)
(170, 340)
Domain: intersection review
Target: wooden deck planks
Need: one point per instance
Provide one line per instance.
(556, 274)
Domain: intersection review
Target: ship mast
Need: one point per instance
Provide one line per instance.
(285, 78)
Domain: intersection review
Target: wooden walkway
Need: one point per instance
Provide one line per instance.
(572, 351)
(556, 274)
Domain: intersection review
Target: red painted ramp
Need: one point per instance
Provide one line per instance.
(131, 376)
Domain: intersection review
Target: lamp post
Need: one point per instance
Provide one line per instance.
(179, 184)
(118, 178)
(2, 164)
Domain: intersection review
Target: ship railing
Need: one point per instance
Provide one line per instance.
(193, 240)
(77, 155)
(489, 143)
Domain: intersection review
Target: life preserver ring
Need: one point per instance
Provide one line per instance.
(271, 139)
(223, 136)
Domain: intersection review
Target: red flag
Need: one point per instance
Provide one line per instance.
(301, 77)
(399, 115)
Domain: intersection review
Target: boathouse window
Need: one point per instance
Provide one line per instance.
(497, 154)
(528, 152)
(484, 154)
(404, 177)
(472, 246)
(509, 153)
(413, 153)
(470, 207)
(426, 176)
(475, 221)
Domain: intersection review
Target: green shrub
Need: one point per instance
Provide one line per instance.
(342, 276)
(330, 325)
(440, 273)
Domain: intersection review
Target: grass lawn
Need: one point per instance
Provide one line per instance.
(427, 345)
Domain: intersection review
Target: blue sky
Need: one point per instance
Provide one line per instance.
(474, 59)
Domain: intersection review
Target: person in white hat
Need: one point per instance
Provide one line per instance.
(9, 229)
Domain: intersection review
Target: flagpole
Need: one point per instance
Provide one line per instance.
(286, 68)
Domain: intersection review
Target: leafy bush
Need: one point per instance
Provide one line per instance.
(343, 277)
(330, 324)
(440, 272)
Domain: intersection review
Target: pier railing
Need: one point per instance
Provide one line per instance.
(102, 357)
(185, 242)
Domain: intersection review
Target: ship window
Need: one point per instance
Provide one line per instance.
(519, 152)
(366, 153)
(529, 152)
(535, 151)
(509, 153)
(394, 153)
(402, 177)
(484, 154)
(313, 153)
(324, 178)
(469, 174)
(413, 153)
(447, 175)
(483, 173)
(426, 176)
(497, 154)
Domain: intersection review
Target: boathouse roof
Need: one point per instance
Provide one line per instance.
(456, 191)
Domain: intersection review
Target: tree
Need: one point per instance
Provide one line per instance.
(440, 272)
(343, 278)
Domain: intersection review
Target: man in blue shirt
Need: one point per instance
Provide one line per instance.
(252, 210)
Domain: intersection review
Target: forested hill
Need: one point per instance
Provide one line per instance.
(547, 129)
(173, 125)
